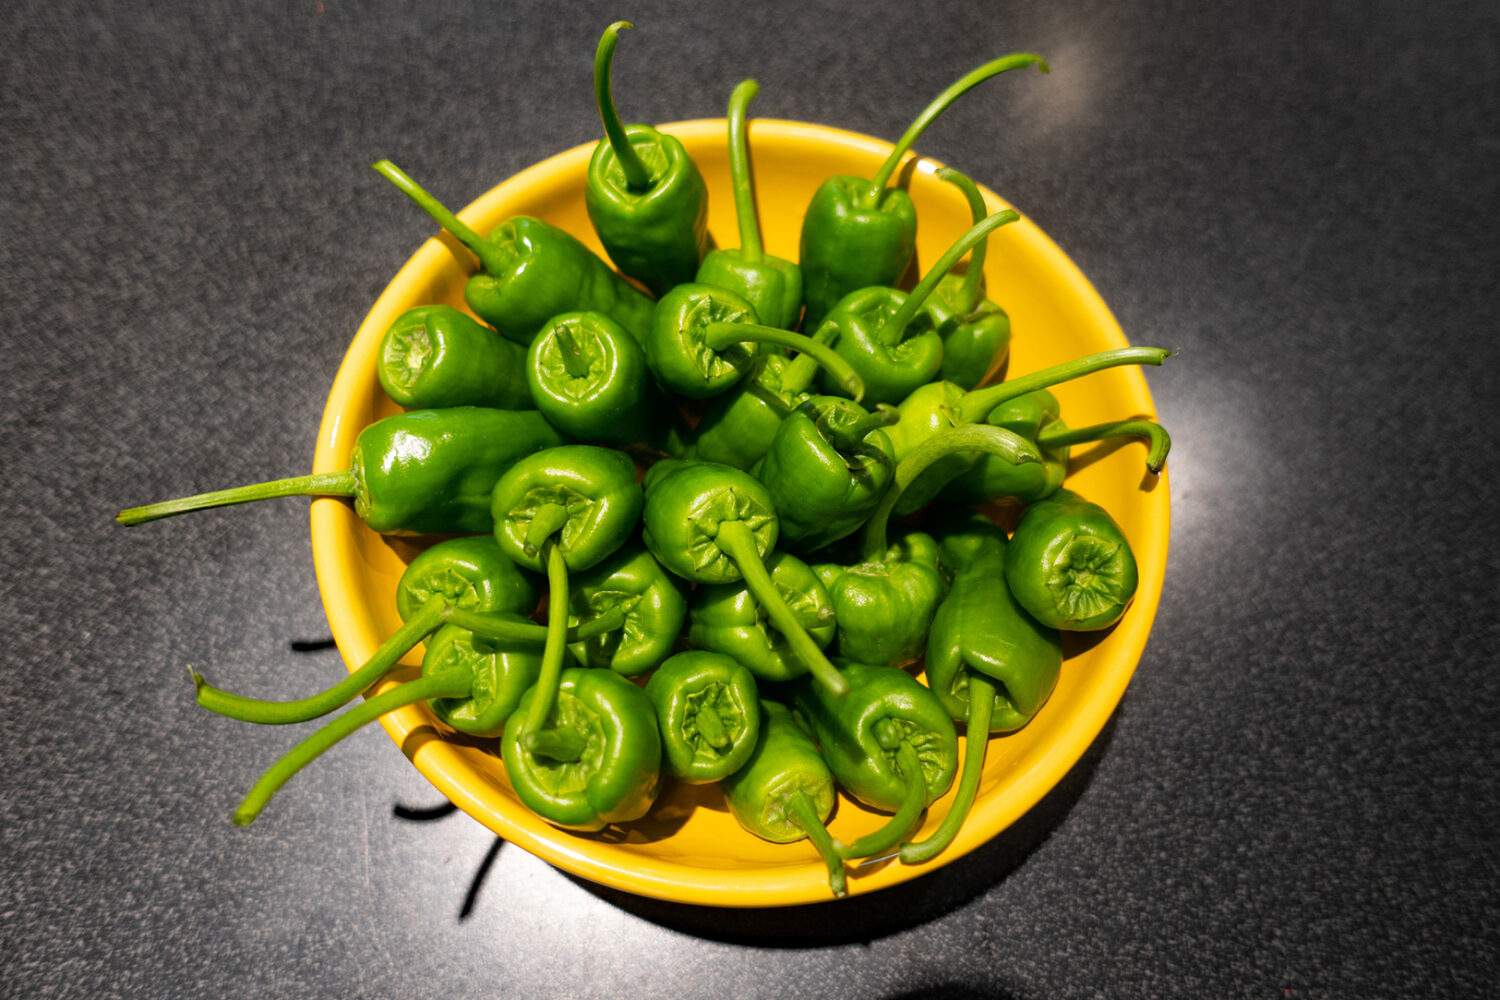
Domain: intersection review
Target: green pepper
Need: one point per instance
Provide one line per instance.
(886, 336)
(884, 602)
(703, 341)
(828, 465)
(644, 195)
(860, 233)
(712, 523)
(423, 472)
(736, 427)
(436, 356)
(889, 742)
(726, 618)
(989, 662)
(975, 331)
(785, 791)
(1070, 565)
(530, 271)
(470, 573)
(773, 285)
(650, 598)
(502, 671)
(599, 760)
(708, 711)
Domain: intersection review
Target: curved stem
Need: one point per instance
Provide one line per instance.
(572, 356)
(891, 332)
(323, 484)
(940, 104)
(738, 543)
(546, 522)
(971, 437)
(751, 250)
(805, 816)
(637, 174)
(719, 336)
(503, 629)
(439, 212)
(976, 405)
(900, 824)
(798, 376)
(848, 439)
(1158, 441)
(976, 741)
(561, 745)
(450, 684)
(544, 695)
(969, 292)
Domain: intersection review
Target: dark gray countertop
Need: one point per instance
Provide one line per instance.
(1296, 796)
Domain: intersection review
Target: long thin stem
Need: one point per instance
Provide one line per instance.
(325, 484)
(940, 104)
(737, 542)
(914, 799)
(544, 695)
(488, 627)
(976, 741)
(449, 684)
(1158, 441)
(968, 296)
(977, 405)
(891, 332)
(637, 174)
(806, 816)
(751, 250)
(477, 245)
(719, 336)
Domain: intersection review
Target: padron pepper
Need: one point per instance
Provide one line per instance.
(644, 194)
(888, 741)
(423, 472)
(773, 285)
(529, 271)
(712, 523)
(726, 618)
(886, 336)
(471, 572)
(989, 662)
(1070, 565)
(785, 791)
(860, 233)
(736, 427)
(708, 711)
(974, 330)
(437, 356)
(651, 599)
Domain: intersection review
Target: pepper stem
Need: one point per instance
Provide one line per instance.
(968, 296)
(971, 437)
(751, 250)
(1158, 441)
(976, 741)
(913, 801)
(891, 332)
(477, 245)
(544, 695)
(719, 336)
(975, 406)
(572, 355)
(561, 745)
(325, 484)
(503, 629)
(848, 439)
(806, 816)
(546, 522)
(449, 684)
(737, 542)
(940, 104)
(637, 174)
(799, 375)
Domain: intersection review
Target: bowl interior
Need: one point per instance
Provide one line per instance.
(689, 848)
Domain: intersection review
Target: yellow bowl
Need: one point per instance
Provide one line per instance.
(689, 849)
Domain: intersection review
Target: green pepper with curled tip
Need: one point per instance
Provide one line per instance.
(708, 711)
(785, 791)
(644, 194)
(736, 427)
(726, 618)
(529, 271)
(655, 608)
(423, 472)
(1070, 565)
(436, 356)
(773, 285)
(860, 233)
(974, 330)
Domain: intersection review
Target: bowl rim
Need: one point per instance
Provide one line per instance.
(412, 730)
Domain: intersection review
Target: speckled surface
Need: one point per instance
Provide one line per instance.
(1297, 796)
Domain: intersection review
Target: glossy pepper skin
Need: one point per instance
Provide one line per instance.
(587, 495)
(501, 671)
(1029, 416)
(652, 601)
(470, 573)
(708, 711)
(827, 467)
(772, 285)
(588, 376)
(436, 356)
(726, 618)
(644, 194)
(859, 233)
(737, 426)
(529, 271)
(603, 763)
(1070, 565)
(974, 330)
(423, 472)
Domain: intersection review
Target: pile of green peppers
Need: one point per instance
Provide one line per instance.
(707, 459)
